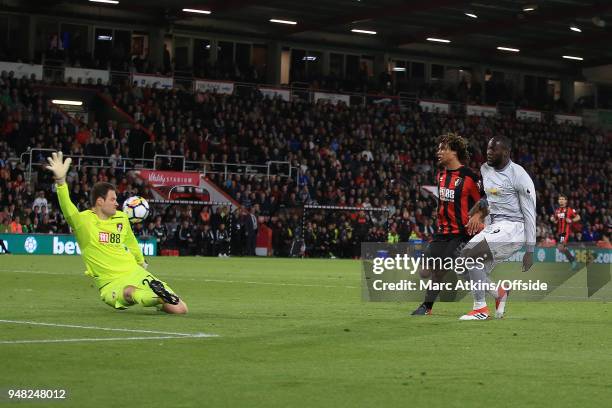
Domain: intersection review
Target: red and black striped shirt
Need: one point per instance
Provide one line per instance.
(458, 192)
(562, 214)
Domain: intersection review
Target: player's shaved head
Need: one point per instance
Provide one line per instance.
(503, 141)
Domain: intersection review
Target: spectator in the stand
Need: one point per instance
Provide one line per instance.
(46, 226)
(139, 230)
(185, 238)
(167, 61)
(40, 201)
(172, 229)
(604, 242)
(83, 135)
(216, 219)
(205, 239)
(205, 215)
(393, 237)
(238, 233)
(5, 226)
(136, 141)
(251, 226)
(15, 226)
(222, 241)
(160, 232)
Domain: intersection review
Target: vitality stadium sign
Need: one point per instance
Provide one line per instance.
(170, 178)
(45, 244)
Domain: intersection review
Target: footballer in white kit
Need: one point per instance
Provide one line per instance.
(511, 203)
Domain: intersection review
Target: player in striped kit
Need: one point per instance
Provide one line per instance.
(565, 216)
(459, 189)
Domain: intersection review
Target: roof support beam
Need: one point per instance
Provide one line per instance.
(373, 14)
(491, 27)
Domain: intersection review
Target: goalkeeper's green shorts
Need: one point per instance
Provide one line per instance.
(112, 293)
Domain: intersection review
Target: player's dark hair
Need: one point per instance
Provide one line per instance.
(100, 190)
(504, 141)
(457, 144)
(563, 195)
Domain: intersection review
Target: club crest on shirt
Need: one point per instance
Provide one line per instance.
(458, 181)
(119, 227)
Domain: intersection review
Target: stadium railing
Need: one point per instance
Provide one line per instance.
(36, 158)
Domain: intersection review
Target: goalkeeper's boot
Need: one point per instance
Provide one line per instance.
(477, 314)
(500, 302)
(160, 290)
(421, 310)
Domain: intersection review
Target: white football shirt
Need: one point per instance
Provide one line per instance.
(511, 196)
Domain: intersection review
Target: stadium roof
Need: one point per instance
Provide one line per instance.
(541, 30)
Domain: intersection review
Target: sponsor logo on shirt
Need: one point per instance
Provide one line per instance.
(447, 194)
(109, 237)
(493, 191)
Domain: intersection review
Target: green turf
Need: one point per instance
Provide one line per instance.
(292, 333)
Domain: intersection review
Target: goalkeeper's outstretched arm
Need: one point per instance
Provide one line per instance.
(59, 167)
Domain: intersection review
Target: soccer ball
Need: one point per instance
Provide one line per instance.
(136, 208)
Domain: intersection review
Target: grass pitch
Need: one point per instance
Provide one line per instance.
(291, 333)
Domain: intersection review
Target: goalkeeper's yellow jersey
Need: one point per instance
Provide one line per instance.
(109, 248)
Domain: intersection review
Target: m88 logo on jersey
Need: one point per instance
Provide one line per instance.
(109, 238)
(447, 194)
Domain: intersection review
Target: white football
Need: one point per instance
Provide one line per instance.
(136, 208)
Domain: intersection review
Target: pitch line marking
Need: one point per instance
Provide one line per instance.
(266, 283)
(105, 339)
(74, 326)
(201, 280)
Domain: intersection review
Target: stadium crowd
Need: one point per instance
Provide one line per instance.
(378, 155)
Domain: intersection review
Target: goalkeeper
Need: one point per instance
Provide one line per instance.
(110, 250)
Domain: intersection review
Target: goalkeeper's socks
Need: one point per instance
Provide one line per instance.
(569, 256)
(145, 298)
